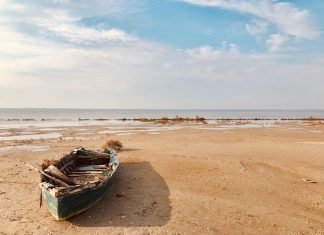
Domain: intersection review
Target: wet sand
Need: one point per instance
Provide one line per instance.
(205, 180)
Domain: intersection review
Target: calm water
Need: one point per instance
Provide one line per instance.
(73, 114)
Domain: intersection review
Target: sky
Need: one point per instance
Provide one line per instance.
(162, 54)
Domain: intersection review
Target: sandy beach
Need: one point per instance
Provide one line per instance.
(178, 179)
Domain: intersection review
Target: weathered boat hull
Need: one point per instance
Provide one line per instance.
(67, 198)
(67, 206)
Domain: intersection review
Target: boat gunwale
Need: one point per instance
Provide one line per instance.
(75, 189)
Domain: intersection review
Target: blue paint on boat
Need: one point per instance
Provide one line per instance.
(65, 203)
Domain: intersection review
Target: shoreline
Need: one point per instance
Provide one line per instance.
(146, 119)
(20, 136)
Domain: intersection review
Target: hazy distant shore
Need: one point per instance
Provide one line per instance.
(92, 114)
(146, 119)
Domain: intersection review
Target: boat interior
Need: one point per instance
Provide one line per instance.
(83, 170)
(78, 169)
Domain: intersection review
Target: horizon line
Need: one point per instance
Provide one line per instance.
(211, 109)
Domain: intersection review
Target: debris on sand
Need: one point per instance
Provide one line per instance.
(115, 144)
(309, 181)
(47, 162)
(243, 166)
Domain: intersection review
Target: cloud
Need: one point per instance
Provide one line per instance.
(204, 53)
(7, 5)
(81, 34)
(256, 27)
(287, 18)
(231, 48)
(234, 49)
(276, 41)
(209, 63)
(139, 74)
(63, 25)
(51, 52)
(84, 8)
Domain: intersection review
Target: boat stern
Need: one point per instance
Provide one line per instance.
(50, 199)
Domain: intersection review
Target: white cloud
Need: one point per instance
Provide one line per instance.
(124, 71)
(231, 48)
(140, 73)
(204, 53)
(256, 27)
(80, 34)
(276, 41)
(7, 5)
(234, 49)
(62, 24)
(288, 19)
(84, 8)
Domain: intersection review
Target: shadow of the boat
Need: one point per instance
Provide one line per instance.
(137, 196)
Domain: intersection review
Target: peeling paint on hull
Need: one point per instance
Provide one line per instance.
(67, 206)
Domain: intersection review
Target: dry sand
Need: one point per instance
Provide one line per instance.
(186, 181)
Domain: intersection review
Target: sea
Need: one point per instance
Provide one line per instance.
(32, 124)
(43, 114)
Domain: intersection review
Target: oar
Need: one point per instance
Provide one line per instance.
(60, 182)
(35, 169)
(42, 173)
(40, 199)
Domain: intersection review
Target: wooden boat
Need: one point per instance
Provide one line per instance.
(77, 181)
